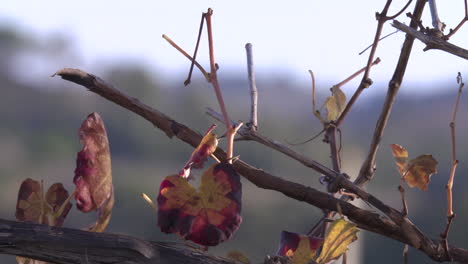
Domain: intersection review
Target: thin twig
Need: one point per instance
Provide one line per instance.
(366, 81)
(382, 38)
(230, 130)
(173, 44)
(453, 31)
(189, 77)
(308, 140)
(253, 124)
(354, 75)
(389, 18)
(449, 186)
(401, 11)
(213, 69)
(454, 151)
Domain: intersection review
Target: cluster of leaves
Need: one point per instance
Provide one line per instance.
(93, 180)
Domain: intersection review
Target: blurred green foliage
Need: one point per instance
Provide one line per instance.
(40, 117)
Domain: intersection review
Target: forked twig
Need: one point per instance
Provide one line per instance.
(202, 70)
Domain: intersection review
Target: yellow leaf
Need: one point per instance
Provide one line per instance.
(339, 235)
(335, 103)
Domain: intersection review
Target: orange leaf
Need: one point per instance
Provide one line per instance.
(416, 172)
(207, 216)
(420, 171)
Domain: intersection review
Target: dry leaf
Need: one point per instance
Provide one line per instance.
(93, 175)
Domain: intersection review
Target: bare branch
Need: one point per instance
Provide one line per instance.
(253, 123)
(404, 231)
(431, 41)
(73, 246)
(368, 167)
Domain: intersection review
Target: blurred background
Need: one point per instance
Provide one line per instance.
(121, 43)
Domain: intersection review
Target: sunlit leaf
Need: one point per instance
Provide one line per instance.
(335, 103)
(93, 176)
(401, 157)
(207, 146)
(207, 216)
(33, 206)
(416, 172)
(238, 256)
(339, 235)
(420, 171)
(299, 248)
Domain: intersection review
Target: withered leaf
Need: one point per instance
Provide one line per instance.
(93, 175)
(416, 172)
(420, 171)
(50, 209)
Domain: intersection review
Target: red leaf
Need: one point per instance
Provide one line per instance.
(207, 216)
(93, 176)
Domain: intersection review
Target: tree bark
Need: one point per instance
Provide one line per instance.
(65, 245)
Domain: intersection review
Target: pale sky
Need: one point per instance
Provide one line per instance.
(294, 36)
